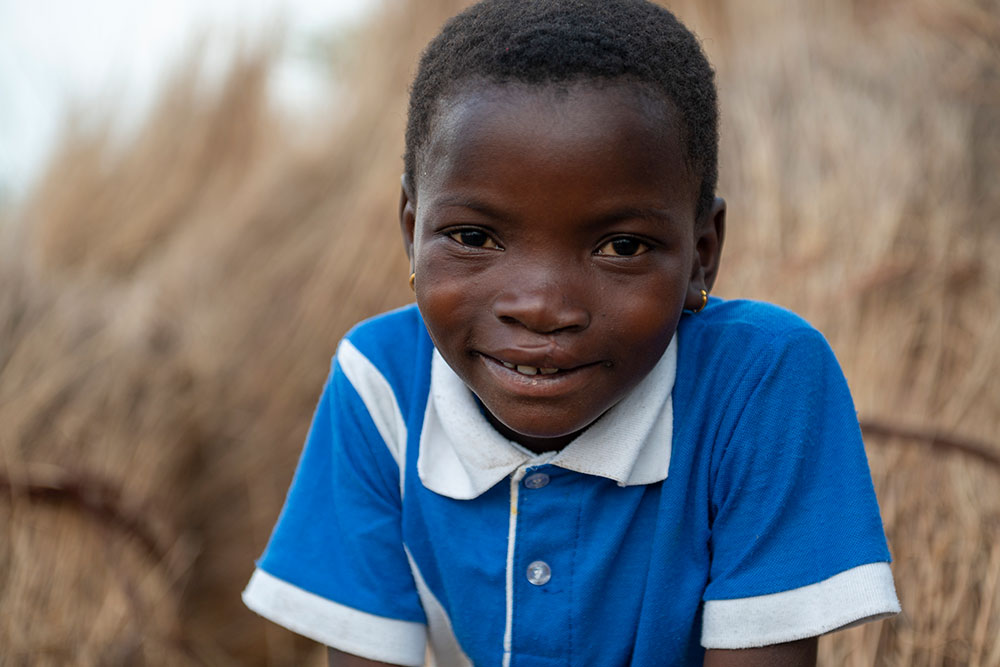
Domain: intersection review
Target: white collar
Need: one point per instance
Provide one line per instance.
(462, 455)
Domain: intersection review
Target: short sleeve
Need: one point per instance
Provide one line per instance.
(797, 543)
(335, 569)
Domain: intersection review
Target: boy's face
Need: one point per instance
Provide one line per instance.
(554, 242)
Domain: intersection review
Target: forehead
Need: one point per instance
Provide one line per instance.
(597, 138)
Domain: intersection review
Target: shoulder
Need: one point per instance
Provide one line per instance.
(390, 342)
(748, 371)
(743, 319)
(742, 341)
(390, 337)
(387, 360)
(764, 385)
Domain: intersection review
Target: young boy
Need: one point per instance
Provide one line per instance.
(570, 455)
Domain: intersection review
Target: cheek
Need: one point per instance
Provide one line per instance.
(640, 339)
(448, 298)
(643, 311)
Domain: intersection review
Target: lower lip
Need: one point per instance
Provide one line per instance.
(539, 385)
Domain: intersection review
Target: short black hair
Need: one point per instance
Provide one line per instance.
(555, 41)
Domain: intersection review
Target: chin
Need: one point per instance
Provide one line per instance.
(535, 431)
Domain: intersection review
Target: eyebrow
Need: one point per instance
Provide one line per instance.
(605, 218)
(474, 205)
(632, 212)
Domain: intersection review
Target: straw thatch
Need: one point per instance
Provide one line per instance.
(169, 303)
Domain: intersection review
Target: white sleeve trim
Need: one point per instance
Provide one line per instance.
(333, 624)
(861, 594)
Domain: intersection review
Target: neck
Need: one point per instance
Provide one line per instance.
(534, 444)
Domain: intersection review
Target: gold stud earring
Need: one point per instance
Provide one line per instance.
(704, 302)
(413, 281)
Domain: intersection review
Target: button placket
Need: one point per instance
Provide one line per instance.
(539, 573)
(542, 569)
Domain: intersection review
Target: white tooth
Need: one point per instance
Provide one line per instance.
(507, 364)
(548, 371)
(527, 370)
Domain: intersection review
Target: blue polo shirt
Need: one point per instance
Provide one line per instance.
(725, 502)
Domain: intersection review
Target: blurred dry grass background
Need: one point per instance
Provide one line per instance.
(168, 307)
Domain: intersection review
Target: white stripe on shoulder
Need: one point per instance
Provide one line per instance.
(854, 596)
(343, 628)
(379, 399)
(445, 649)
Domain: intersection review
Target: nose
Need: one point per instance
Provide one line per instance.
(543, 307)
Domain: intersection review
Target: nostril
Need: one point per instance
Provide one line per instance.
(542, 315)
(570, 328)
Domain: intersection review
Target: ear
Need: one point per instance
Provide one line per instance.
(710, 232)
(407, 216)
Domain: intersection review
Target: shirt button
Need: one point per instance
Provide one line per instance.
(536, 480)
(539, 573)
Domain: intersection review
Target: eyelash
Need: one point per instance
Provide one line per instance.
(461, 236)
(642, 247)
(482, 240)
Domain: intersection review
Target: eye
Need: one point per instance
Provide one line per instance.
(623, 246)
(475, 238)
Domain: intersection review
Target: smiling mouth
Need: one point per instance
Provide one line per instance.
(538, 382)
(530, 370)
